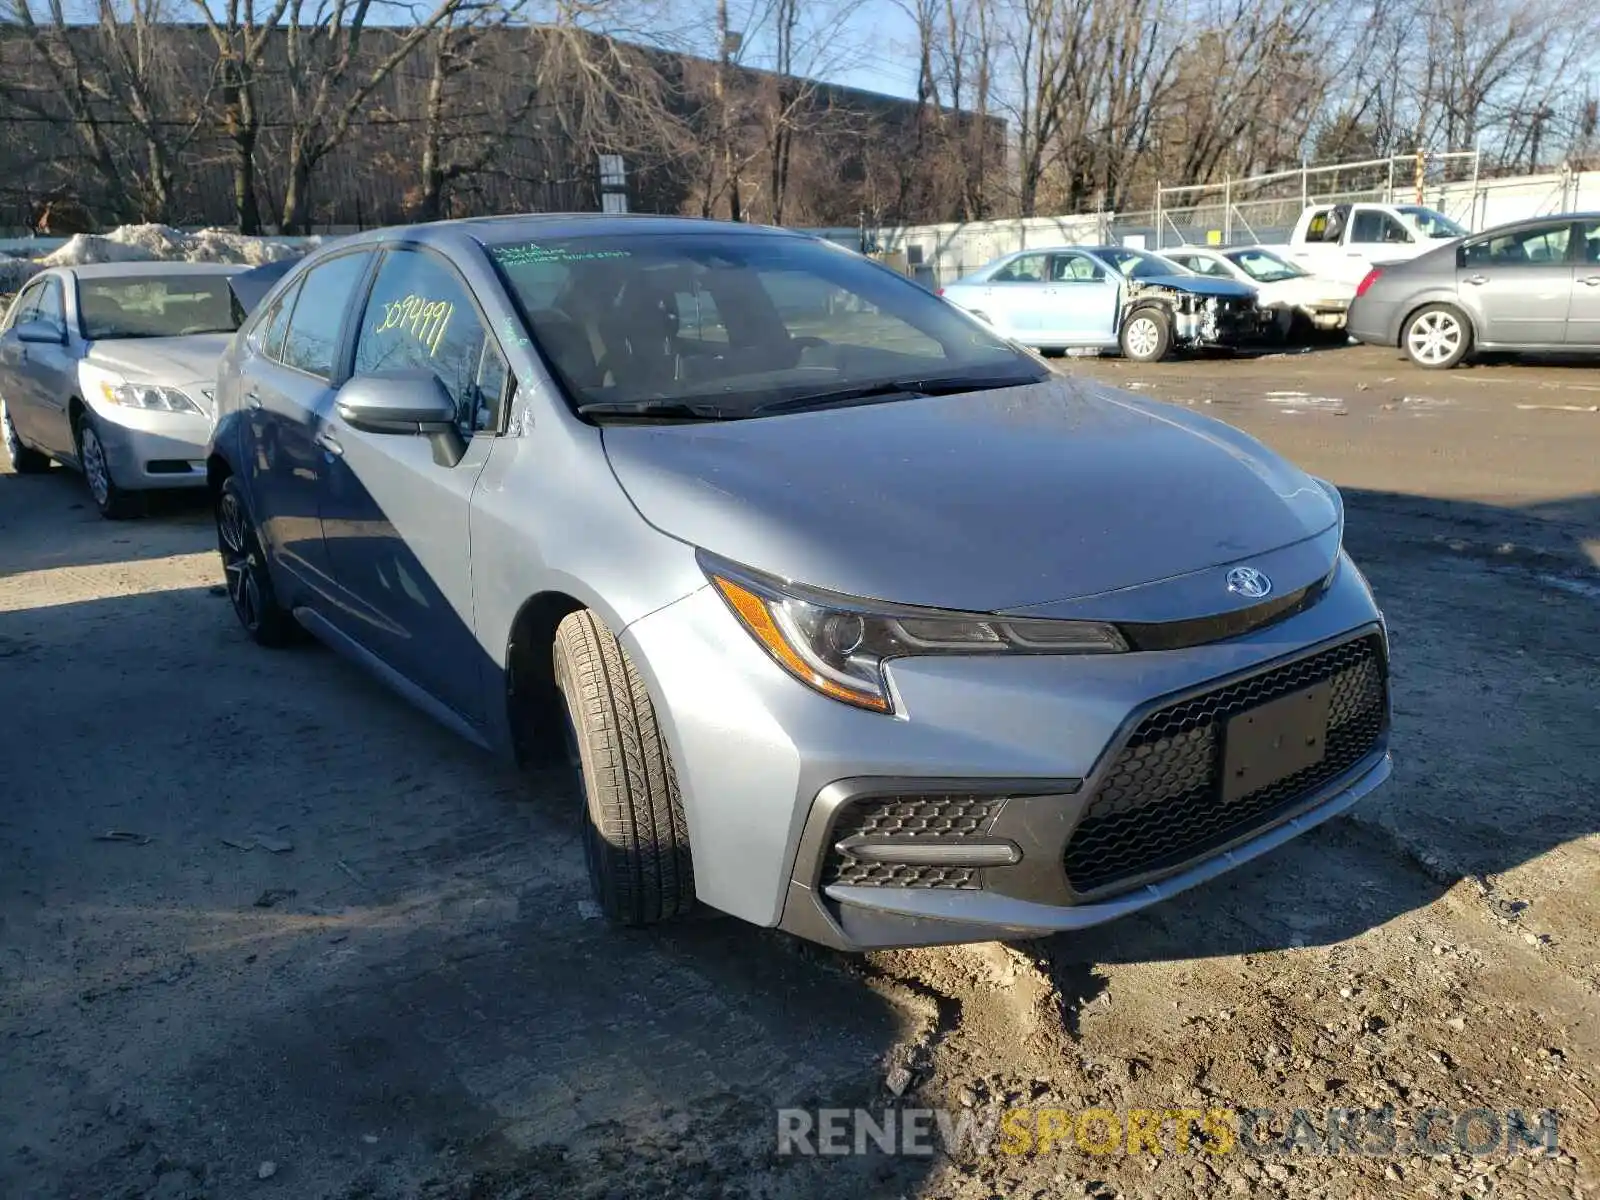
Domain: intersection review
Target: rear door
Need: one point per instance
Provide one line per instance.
(288, 389)
(1017, 296)
(396, 522)
(1373, 236)
(1518, 286)
(1583, 315)
(1082, 299)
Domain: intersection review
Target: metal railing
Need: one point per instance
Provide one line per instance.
(1257, 202)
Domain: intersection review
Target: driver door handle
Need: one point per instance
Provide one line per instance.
(1479, 279)
(1593, 281)
(328, 442)
(252, 399)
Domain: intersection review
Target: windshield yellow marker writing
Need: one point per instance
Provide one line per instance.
(424, 319)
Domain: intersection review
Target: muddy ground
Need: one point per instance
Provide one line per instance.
(395, 990)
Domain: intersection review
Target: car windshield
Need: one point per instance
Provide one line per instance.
(1433, 224)
(155, 306)
(1140, 264)
(1265, 267)
(722, 325)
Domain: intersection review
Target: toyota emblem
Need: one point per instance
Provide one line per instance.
(1249, 583)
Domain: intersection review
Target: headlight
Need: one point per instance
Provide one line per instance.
(152, 397)
(839, 645)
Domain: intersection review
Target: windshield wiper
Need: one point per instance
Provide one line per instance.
(667, 410)
(937, 386)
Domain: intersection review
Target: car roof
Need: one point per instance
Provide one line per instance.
(1547, 219)
(489, 231)
(135, 270)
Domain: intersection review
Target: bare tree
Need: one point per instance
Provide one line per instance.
(108, 80)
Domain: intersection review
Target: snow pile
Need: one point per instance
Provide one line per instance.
(145, 243)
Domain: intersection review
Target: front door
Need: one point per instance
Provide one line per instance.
(1517, 286)
(395, 522)
(16, 381)
(1583, 317)
(45, 374)
(1083, 300)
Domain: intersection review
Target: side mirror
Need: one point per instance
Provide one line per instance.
(412, 403)
(41, 333)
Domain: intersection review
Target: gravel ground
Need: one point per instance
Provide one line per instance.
(266, 931)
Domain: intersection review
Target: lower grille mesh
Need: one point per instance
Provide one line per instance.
(1160, 802)
(921, 817)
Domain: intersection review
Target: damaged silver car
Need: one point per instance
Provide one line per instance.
(1110, 298)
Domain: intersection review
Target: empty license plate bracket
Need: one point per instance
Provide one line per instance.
(1272, 741)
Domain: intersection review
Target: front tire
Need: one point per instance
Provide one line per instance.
(1437, 337)
(244, 565)
(24, 461)
(114, 503)
(636, 841)
(1146, 335)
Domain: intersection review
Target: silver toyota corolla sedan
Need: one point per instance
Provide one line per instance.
(850, 617)
(109, 368)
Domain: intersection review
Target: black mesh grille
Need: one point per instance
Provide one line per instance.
(921, 817)
(1159, 803)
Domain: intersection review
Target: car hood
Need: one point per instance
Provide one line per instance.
(984, 501)
(173, 360)
(1309, 289)
(1199, 285)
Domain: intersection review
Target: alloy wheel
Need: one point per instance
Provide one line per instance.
(239, 562)
(9, 431)
(1143, 337)
(95, 468)
(1434, 337)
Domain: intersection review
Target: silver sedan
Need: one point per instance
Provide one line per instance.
(1533, 285)
(846, 615)
(110, 368)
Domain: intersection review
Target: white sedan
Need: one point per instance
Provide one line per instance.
(1301, 300)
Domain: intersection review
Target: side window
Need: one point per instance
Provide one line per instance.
(1027, 269)
(1373, 226)
(52, 309)
(275, 323)
(421, 317)
(1074, 268)
(1317, 227)
(1591, 241)
(326, 293)
(1541, 245)
(25, 305)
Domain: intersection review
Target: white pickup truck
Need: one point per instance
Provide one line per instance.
(1343, 241)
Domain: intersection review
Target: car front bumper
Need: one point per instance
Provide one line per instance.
(1016, 756)
(154, 449)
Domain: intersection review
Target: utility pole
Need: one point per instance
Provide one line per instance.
(725, 44)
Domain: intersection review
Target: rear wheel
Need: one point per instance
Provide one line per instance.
(1437, 337)
(24, 461)
(114, 503)
(636, 841)
(1146, 335)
